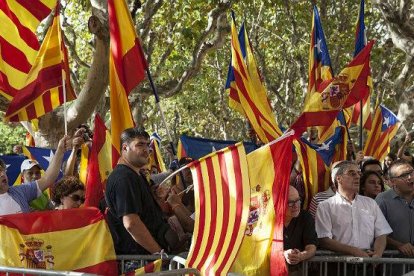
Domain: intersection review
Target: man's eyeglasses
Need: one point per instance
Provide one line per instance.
(353, 173)
(76, 197)
(292, 203)
(143, 145)
(3, 172)
(405, 176)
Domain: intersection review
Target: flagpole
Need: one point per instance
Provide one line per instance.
(361, 141)
(347, 133)
(64, 103)
(157, 101)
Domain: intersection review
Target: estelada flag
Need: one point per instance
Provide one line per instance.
(261, 252)
(70, 240)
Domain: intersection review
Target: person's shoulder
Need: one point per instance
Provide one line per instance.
(305, 215)
(386, 195)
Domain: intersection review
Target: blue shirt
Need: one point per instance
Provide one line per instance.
(23, 194)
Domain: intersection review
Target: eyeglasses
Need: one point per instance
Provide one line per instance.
(3, 172)
(405, 176)
(353, 173)
(76, 197)
(292, 203)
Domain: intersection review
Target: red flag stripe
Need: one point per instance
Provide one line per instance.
(239, 209)
(35, 7)
(25, 33)
(27, 225)
(14, 56)
(202, 199)
(213, 200)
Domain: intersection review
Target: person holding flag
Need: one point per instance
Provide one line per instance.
(16, 199)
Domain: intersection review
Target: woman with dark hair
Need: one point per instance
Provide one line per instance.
(69, 193)
(371, 184)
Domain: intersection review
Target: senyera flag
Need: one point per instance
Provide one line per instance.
(222, 194)
(43, 90)
(19, 44)
(68, 240)
(127, 67)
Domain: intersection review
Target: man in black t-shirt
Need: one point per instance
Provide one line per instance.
(134, 218)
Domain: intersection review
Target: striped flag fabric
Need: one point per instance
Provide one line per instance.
(349, 87)
(250, 89)
(156, 160)
(222, 195)
(127, 67)
(19, 45)
(261, 252)
(316, 174)
(384, 127)
(99, 164)
(40, 240)
(360, 42)
(43, 90)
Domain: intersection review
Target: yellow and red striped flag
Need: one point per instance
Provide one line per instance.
(261, 252)
(127, 67)
(18, 42)
(222, 194)
(40, 240)
(43, 91)
(156, 160)
(99, 164)
(251, 91)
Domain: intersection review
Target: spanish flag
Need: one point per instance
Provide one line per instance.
(127, 67)
(222, 194)
(69, 240)
(99, 164)
(154, 266)
(261, 252)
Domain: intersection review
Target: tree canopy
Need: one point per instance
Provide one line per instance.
(187, 44)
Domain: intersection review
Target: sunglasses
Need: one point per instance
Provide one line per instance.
(76, 197)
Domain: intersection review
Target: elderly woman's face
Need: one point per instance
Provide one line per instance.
(73, 200)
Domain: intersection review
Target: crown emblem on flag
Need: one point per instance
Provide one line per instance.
(33, 255)
(335, 94)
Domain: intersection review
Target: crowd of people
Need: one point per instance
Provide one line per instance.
(367, 208)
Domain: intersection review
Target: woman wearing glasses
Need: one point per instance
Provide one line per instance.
(69, 193)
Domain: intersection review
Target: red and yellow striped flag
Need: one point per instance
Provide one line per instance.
(99, 164)
(72, 239)
(43, 90)
(18, 42)
(261, 252)
(222, 194)
(127, 67)
(251, 91)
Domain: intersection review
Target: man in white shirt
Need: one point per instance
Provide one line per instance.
(350, 223)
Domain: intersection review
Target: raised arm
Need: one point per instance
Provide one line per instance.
(52, 171)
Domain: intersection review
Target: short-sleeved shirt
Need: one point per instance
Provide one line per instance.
(399, 214)
(129, 193)
(300, 232)
(22, 195)
(355, 223)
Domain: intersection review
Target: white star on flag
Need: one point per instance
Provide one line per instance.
(324, 146)
(49, 158)
(386, 121)
(318, 46)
